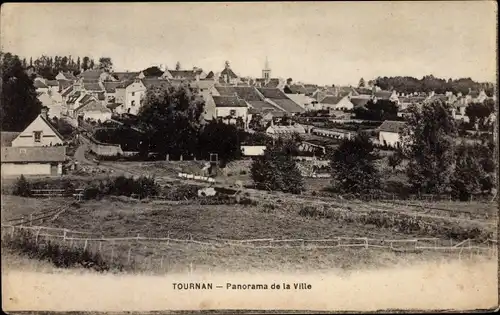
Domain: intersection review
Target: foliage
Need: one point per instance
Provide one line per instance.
(141, 187)
(17, 88)
(152, 72)
(256, 122)
(128, 138)
(178, 66)
(22, 187)
(49, 66)
(361, 83)
(352, 166)
(105, 64)
(171, 117)
(277, 170)
(428, 140)
(430, 83)
(223, 139)
(379, 110)
(480, 112)
(63, 127)
(468, 173)
(395, 159)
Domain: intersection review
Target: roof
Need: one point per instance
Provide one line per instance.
(110, 87)
(91, 75)
(262, 106)
(52, 83)
(7, 137)
(45, 99)
(33, 154)
(93, 106)
(363, 91)
(203, 84)
(286, 129)
(123, 76)
(64, 84)
(383, 94)
(113, 105)
(154, 82)
(299, 89)
(272, 93)
(248, 93)
(210, 75)
(38, 84)
(359, 101)
(68, 75)
(92, 86)
(67, 91)
(229, 72)
(331, 100)
(391, 126)
(73, 97)
(229, 101)
(280, 99)
(184, 74)
(86, 98)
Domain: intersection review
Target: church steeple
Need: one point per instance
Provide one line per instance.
(266, 72)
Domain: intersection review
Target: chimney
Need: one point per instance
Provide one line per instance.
(44, 112)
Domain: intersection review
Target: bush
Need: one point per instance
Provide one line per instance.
(182, 192)
(22, 187)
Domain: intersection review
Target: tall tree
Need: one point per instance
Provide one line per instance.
(31, 61)
(429, 143)
(78, 65)
(277, 169)
(24, 64)
(178, 66)
(91, 64)
(105, 64)
(353, 167)
(17, 90)
(86, 63)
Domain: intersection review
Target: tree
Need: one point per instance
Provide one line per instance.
(105, 64)
(91, 64)
(178, 66)
(380, 110)
(17, 90)
(428, 140)
(31, 61)
(226, 64)
(353, 167)
(152, 72)
(469, 175)
(223, 139)
(172, 118)
(395, 159)
(78, 64)
(479, 113)
(22, 187)
(361, 83)
(277, 170)
(86, 63)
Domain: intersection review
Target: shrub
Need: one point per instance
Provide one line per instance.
(22, 187)
(182, 192)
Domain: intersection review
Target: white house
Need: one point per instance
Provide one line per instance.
(94, 110)
(304, 101)
(39, 133)
(134, 94)
(230, 108)
(336, 103)
(54, 109)
(389, 133)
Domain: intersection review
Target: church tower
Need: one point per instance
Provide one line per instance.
(266, 72)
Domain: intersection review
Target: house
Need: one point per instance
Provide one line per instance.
(66, 76)
(389, 133)
(94, 110)
(134, 94)
(386, 95)
(230, 108)
(304, 101)
(267, 81)
(40, 85)
(359, 101)
(28, 161)
(280, 100)
(336, 103)
(39, 133)
(54, 109)
(250, 94)
(188, 75)
(96, 75)
(7, 137)
(124, 76)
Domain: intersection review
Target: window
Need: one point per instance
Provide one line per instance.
(232, 112)
(38, 136)
(132, 103)
(133, 93)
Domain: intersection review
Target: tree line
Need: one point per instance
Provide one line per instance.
(430, 83)
(49, 66)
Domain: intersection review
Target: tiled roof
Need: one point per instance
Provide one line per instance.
(101, 96)
(113, 105)
(67, 91)
(286, 129)
(91, 75)
(86, 98)
(110, 87)
(203, 84)
(52, 127)
(229, 72)
(154, 82)
(391, 126)
(184, 74)
(298, 89)
(123, 76)
(92, 86)
(229, 101)
(68, 75)
(125, 83)
(333, 100)
(383, 94)
(93, 106)
(272, 93)
(363, 91)
(262, 106)
(359, 101)
(210, 75)
(288, 105)
(248, 93)
(7, 137)
(38, 84)
(73, 97)
(52, 83)
(33, 154)
(64, 84)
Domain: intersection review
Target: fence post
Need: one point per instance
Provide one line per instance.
(85, 246)
(64, 235)
(366, 242)
(112, 251)
(31, 219)
(100, 246)
(161, 263)
(12, 231)
(128, 256)
(36, 237)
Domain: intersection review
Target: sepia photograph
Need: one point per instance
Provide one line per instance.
(244, 157)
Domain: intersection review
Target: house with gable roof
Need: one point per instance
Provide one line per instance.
(37, 150)
(336, 103)
(231, 108)
(389, 133)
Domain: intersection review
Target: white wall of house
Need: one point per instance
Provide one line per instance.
(343, 104)
(133, 96)
(209, 109)
(231, 111)
(11, 169)
(96, 115)
(389, 138)
(37, 134)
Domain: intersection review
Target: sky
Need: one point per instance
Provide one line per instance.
(312, 42)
